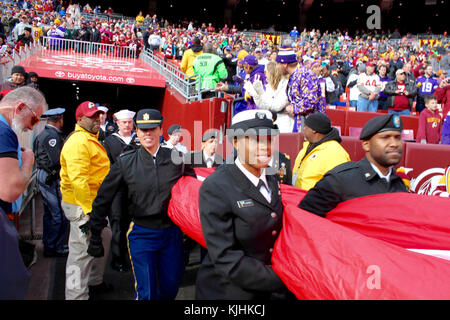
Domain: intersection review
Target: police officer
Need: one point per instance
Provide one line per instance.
(155, 242)
(123, 140)
(374, 174)
(47, 149)
(241, 216)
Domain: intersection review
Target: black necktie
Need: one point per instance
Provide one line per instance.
(261, 184)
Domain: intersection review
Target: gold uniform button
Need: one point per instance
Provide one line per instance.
(273, 215)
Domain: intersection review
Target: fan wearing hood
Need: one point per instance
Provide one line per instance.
(320, 153)
(187, 61)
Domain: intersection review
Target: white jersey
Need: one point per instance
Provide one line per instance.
(354, 91)
(372, 82)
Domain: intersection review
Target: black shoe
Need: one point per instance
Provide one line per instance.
(120, 267)
(56, 253)
(100, 288)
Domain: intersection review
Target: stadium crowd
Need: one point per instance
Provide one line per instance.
(362, 70)
(295, 76)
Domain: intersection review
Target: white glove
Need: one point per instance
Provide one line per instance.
(248, 87)
(258, 86)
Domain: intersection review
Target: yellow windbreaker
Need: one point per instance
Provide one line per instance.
(84, 165)
(187, 61)
(319, 161)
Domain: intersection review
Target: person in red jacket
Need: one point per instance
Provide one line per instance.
(430, 122)
(442, 94)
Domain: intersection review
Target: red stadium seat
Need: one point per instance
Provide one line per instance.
(337, 118)
(411, 122)
(354, 131)
(408, 134)
(357, 119)
(353, 146)
(291, 144)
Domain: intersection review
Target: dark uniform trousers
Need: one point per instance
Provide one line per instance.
(155, 243)
(240, 229)
(348, 181)
(119, 218)
(47, 149)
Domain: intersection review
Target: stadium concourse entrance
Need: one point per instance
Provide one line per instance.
(69, 94)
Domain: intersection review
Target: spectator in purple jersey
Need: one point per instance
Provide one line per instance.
(382, 73)
(303, 88)
(427, 85)
(254, 71)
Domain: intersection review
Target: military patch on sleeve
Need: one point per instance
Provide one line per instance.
(52, 142)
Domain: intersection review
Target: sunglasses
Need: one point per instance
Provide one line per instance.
(35, 120)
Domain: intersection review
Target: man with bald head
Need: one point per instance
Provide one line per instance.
(210, 67)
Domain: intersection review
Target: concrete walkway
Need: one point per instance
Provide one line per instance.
(48, 274)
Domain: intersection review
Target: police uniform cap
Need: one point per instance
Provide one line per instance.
(148, 119)
(380, 124)
(174, 128)
(53, 113)
(253, 122)
(210, 134)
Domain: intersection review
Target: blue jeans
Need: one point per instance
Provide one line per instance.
(157, 257)
(55, 224)
(366, 105)
(400, 113)
(353, 103)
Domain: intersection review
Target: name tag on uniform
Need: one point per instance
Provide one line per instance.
(245, 203)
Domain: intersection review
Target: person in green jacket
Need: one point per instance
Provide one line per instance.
(210, 67)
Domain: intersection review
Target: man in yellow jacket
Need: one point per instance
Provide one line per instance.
(84, 165)
(320, 153)
(189, 56)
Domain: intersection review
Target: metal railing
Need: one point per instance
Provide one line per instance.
(7, 61)
(86, 47)
(186, 86)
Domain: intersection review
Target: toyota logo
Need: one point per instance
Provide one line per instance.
(130, 80)
(60, 74)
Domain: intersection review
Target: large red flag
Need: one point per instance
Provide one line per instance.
(357, 252)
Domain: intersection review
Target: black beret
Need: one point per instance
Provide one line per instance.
(319, 122)
(174, 128)
(381, 123)
(210, 134)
